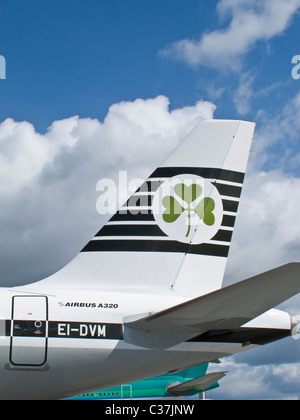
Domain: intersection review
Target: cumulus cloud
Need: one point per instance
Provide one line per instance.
(48, 182)
(268, 381)
(249, 22)
(267, 229)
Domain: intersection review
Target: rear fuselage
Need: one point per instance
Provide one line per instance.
(59, 344)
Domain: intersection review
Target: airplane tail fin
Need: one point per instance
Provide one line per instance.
(175, 231)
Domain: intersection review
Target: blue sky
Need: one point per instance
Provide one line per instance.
(97, 86)
(72, 57)
(68, 58)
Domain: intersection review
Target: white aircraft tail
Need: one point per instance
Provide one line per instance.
(175, 231)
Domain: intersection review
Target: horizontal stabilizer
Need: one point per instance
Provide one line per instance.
(226, 308)
(199, 384)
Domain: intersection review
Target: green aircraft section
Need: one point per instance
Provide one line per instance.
(159, 387)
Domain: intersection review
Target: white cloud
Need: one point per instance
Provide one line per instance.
(48, 182)
(267, 381)
(250, 22)
(267, 229)
(267, 232)
(244, 93)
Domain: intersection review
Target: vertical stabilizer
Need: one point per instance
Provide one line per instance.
(175, 231)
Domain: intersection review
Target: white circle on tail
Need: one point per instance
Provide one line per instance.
(188, 208)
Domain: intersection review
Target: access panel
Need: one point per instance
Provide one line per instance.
(28, 345)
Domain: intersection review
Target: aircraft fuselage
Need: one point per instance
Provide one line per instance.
(58, 344)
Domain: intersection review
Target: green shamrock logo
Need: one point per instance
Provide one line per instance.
(173, 209)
